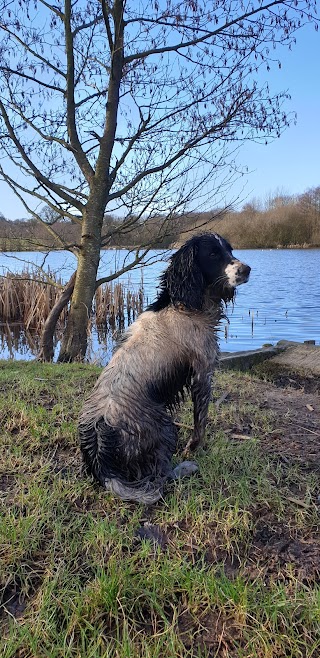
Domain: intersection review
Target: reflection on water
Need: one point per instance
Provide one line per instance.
(280, 301)
(17, 343)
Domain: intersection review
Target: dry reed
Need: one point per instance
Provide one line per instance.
(27, 298)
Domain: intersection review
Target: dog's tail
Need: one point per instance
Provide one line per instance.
(95, 441)
(145, 493)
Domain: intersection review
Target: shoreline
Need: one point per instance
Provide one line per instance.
(176, 245)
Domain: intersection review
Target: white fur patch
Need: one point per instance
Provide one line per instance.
(218, 238)
(232, 271)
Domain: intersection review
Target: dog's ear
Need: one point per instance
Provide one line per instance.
(183, 278)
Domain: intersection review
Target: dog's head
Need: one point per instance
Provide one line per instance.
(202, 262)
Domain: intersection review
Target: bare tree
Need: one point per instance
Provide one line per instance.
(136, 108)
(309, 202)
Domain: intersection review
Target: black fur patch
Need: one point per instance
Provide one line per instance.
(172, 386)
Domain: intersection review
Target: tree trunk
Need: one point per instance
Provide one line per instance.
(74, 343)
(46, 345)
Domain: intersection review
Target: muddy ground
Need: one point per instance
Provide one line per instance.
(293, 442)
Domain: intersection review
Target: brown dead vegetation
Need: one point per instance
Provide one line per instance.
(27, 298)
(282, 222)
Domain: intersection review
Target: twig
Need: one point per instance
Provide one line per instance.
(186, 427)
(298, 502)
(306, 429)
(221, 399)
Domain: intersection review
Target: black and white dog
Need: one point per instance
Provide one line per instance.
(127, 433)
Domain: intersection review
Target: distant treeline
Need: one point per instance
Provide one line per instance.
(284, 221)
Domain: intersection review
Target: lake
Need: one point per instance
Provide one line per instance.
(280, 301)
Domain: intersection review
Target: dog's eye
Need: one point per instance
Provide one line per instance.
(213, 255)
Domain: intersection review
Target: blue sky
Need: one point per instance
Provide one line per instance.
(291, 164)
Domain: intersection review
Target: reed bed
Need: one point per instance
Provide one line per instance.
(26, 299)
(117, 305)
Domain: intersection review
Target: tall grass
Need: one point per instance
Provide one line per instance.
(116, 305)
(26, 299)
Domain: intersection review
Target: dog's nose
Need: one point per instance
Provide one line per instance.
(245, 269)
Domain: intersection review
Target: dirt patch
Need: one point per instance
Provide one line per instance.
(272, 552)
(301, 358)
(13, 602)
(284, 375)
(275, 554)
(7, 483)
(215, 632)
(295, 432)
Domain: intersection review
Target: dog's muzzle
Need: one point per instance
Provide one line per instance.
(237, 273)
(243, 274)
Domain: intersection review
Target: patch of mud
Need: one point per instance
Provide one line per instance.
(7, 483)
(12, 601)
(215, 633)
(295, 433)
(275, 554)
(283, 376)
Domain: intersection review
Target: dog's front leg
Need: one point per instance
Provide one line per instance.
(201, 394)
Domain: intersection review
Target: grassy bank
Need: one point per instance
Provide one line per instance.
(227, 565)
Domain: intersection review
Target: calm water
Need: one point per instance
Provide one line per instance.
(281, 300)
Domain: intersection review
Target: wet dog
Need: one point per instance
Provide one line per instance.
(126, 429)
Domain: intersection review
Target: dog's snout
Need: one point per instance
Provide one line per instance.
(237, 272)
(244, 269)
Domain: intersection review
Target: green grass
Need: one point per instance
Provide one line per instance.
(76, 581)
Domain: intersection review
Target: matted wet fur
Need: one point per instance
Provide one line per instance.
(126, 429)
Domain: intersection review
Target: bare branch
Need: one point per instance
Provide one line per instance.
(191, 144)
(138, 259)
(71, 114)
(107, 24)
(25, 76)
(85, 26)
(36, 172)
(37, 55)
(15, 185)
(108, 137)
(132, 142)
(197, 40)
(44, 136)
(36, 215)
(52, 8)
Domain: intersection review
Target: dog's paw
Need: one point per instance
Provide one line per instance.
(185, 469)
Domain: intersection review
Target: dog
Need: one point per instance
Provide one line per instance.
(127, 433)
